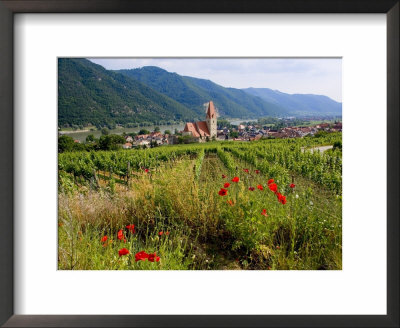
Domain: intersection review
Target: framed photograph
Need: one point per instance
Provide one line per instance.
(182, 165)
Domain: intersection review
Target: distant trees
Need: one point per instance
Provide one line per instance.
(105, 131)
(167, 132)
(106, 142)
(234, 134)
(144, 131)
(110, 142)
(90, 138)
(65, 143)
(157, 129)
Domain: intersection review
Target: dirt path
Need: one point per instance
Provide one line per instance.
(321, 148)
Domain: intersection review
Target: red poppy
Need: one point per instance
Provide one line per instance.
(281, 198)
(277, 247)
(270, 181)
(121, 236)
(146, 170)
(230, 202)
(292, 185)
(223, 192)
(123, 251)
(226, 185)
(223, 176)
(260, 187)
(153, 257)
(167, 233)
(273, 187)
(104, 239)
(264, 212)
(161, 233)
(235, 179)
(131, 228)
(246, 170)
(257, 171)
(141, 256)
(251, 188)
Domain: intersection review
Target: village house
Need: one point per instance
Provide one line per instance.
(203, 129)
(129, 139)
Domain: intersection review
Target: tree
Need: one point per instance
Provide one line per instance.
(157, 129)
(105, 131)
(144, 131)
(90, 138)
(167, 132)
(234, 134)
(65, 143)
(110, 142)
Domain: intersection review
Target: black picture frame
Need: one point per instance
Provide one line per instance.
(10, 7)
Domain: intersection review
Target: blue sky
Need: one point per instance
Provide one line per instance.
(321, 76)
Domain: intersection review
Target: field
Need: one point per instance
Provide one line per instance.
(264, 205)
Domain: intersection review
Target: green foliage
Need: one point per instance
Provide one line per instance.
(175, 189)
(105, 131)
(90, 94)
(65, 143)
(143, 131)
(90, 138)
(110, 142)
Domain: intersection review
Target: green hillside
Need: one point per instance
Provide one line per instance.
(193, 93)
(90, 94)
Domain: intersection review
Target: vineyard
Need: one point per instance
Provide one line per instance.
(268, 204)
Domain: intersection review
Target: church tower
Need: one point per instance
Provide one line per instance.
(211, 120)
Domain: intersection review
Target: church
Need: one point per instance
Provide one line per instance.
(203, 129)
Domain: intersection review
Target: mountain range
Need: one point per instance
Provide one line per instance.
(90, 94)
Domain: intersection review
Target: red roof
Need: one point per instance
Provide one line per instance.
(189, 127)
(202, 128)
(211, 111)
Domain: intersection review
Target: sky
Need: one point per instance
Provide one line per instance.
(322, 76)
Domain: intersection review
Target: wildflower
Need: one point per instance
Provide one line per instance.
(270, 181)
(153, 257)
(104, 239)
(123, 251)
(292, 185)
(226, 185)
(297, 196)
(161, 233)
(230, 202)
(260, 187)
(257, 171)
(273, 187)
(281, 198)
(131, 228)
(246, 170)
(167, 233)
(146, 170)
(277, 247)
(223, 192)
(235, 179)
(264, 212)
(121, 236)
(141, 256)
(223, 176)
(251, 188)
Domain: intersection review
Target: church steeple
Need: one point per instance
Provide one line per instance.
(211, 119)
(211, 111)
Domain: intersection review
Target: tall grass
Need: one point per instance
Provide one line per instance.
(201, 229)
